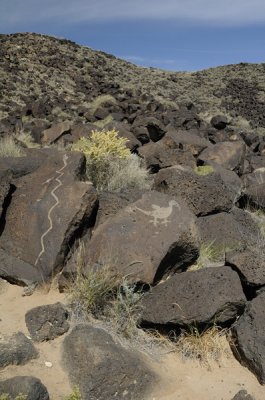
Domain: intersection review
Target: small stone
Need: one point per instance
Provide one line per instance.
(48, 364)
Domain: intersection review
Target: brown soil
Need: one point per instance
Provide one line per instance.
(178, 379)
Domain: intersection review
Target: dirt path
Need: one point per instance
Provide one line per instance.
(179, 380)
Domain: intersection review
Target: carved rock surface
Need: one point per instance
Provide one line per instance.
(50, 207)
(148, 238)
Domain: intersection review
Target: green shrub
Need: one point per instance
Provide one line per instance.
(101, 101)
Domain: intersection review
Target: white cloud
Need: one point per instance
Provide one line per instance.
(236, 12)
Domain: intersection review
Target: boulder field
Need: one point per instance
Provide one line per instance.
(195, 241)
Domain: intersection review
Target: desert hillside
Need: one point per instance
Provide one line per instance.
(59, 79)
(132, 227)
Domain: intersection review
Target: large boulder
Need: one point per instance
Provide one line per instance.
(154, 128)
(249, 333)
(102, 369)
(234, 230)
(150, 237)
(16, 349)
(53, 134)
(165, 154)
(205, 194)
(205, 296)
(47, 322)
(50, 208)
(188, 140)
(250, 264)
(228, 154)
(28, 386)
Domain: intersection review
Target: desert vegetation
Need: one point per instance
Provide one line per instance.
(110, 164)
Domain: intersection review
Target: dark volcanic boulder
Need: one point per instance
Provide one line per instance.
(243, 395)
(205, 194)
(47, 322)
(162, 155)
(49, 209)
(16, 349)
(249, 333)
(102, 369)
(228, 154)
(255, 195)
(5, 179)
(250, 263)
(147, 238)
(53, 134)
(188, 140)
(219, 121)
(232, 230)
(26, 386)
(153, 127)
(210, 295)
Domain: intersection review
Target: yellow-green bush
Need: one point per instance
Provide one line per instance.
(110, 164)
(101, 145)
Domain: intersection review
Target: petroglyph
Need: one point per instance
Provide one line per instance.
(58, 180)
(160, 214)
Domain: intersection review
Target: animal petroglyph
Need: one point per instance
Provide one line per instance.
(59, 184)
(160, 214)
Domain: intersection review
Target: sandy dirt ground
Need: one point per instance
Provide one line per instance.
(178, 379)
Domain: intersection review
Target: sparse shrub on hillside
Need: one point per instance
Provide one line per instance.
(9, 148)
(103, 122)
(101, 101)
(110, 164)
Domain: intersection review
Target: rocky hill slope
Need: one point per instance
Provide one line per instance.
(50, 79)
(184, 237)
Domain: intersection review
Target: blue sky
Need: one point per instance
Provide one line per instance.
(169, 34)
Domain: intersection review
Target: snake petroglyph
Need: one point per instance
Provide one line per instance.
(58, 180)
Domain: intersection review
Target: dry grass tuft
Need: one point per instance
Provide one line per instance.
(9, 148)
(26, 139)
(209, 345)
(128, 173)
